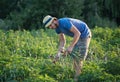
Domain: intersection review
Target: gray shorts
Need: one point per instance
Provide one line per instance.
(81, 48)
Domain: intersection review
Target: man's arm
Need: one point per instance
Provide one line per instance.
(76, 33)
(76, 37)
(62, 41)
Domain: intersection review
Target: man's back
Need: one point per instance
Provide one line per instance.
(65, 25)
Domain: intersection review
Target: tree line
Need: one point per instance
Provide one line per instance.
(28, 14)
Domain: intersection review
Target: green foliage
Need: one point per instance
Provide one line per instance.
(113, 8)
(112, 66)
(19, 42)
(24, 57)
(93, 73)
(108, 40)
(6, 6)
(28, 14)
(13, 68)
(40, 78)
(101, 13)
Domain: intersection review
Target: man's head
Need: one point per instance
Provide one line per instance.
(50, 22)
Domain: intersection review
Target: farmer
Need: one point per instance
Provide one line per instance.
(81, 34)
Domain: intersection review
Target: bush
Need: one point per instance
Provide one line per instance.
(40, 78)
(113, 66)
(92, 72)
(24, 56)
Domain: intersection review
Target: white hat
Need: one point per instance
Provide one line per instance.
(47, 20)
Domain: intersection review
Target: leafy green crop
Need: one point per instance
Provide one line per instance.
(24, 57)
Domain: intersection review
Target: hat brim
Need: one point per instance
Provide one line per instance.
(48, 24)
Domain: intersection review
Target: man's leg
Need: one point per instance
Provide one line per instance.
(77, 66)
(83, 45)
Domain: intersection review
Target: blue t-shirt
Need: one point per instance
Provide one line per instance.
(65, 24)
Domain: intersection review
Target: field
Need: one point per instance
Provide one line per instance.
(25, 57)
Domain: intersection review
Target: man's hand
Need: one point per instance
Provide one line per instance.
(69, 49)
(62, 49)
(57, 57)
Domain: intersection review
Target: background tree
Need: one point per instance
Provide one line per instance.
(7, 6)
(28, 14)
(111, 9)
